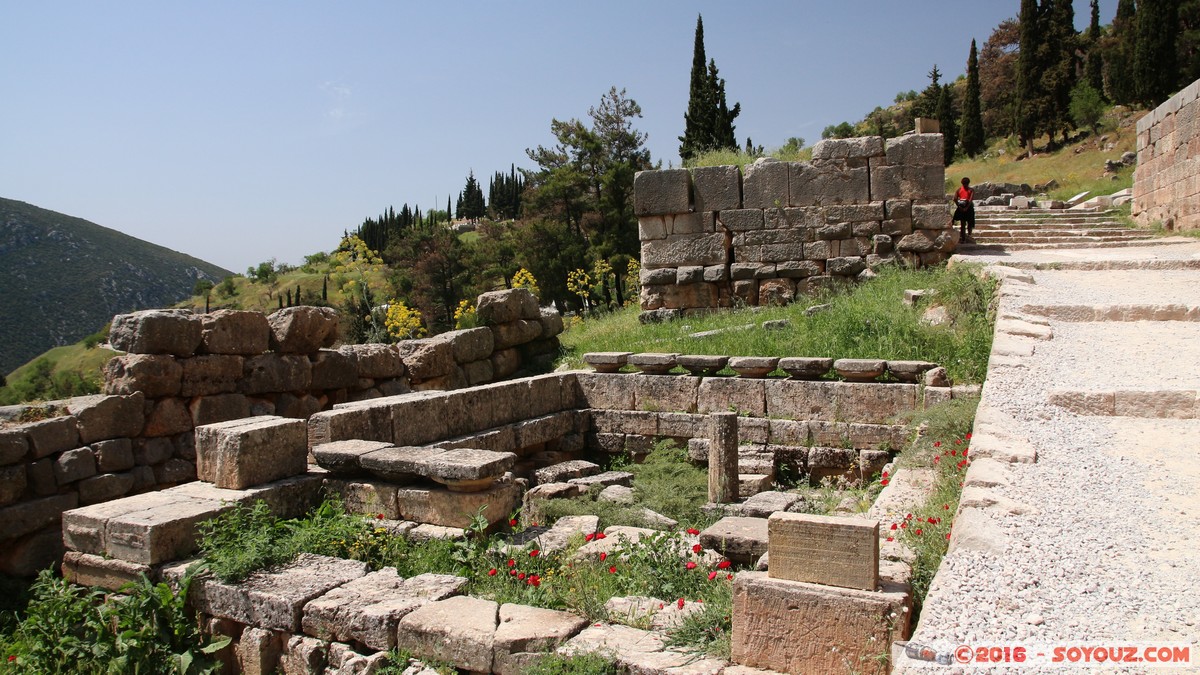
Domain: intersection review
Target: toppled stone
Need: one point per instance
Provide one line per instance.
(499, 307)
(428, 358)
(738, 538)
(342, 457)
(937, 377)
(764, 504)
(618, 494)
(439, 506)
(606, 478)
(459, 630)
(525, 633)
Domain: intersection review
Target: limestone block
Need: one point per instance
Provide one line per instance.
(608, 391)
(689, 274)
(228, 331)
(13, 480)
(916, 150)
(544, 429)
(370, 498)
(690, 223)
(478, 372)
(652, 227)
(840, 230)
(273, 373)
(333, 370)
(368, 610)
(155, 375)
(341, 457)
(105, 487)
(14, 446)
(831, 550)
(719, 394)
(113, 455)
(300, 330)
(790, 626)
(798, 269)
(564, 471)
(1156, 404)
(622, 643)
(52, 436)
(654, 277)
(249, 452)
(605, 478)
(918, 242)
(763, 504)
(673, 394)
(800, 400)
(210, 374)
(624, 421)
(874, 403)
(740, 539)
(860, 370)
(513, 333)
(817, 250)
(74, 465)
(374, 361)
(932, 216)
(907, 182)
(427, 358)
(1085, 402)
(465, 464)
(787, 432)
(156, 331)
(86, 569)
(492, 405)
(846, 266)
(681, 425)
(105, 417)
(848, 148)
(685, 249)
(525, 633)
(366, 422)
(717, 188)
(30, 516)
(219, 408)
(854, 213)
(823, 184)
(765, 184)
(459, 630)
(439, 506)
(272, 599)
(167, 417)
(505, 362)
(164, 532)
(742, 220)
(662, 192)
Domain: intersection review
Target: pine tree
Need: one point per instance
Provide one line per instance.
(1029, 104)
(708, 122)
(973, 140)
(1093, 64)
(1118, 55)
(927, 101)
(1154, 57)
(946, 118)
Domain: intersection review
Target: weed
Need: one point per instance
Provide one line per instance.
(576, 664)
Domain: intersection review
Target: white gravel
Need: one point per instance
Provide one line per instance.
(1106, 555)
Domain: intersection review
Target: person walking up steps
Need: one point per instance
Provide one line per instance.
(964, 211)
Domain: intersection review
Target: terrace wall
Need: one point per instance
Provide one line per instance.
(1166, 183)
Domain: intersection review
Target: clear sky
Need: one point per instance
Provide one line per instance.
(241, 131)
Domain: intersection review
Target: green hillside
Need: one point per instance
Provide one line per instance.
(65, 277)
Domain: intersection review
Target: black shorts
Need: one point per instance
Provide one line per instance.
(966, 215)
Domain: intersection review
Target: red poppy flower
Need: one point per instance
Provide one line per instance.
(603, 556)
(885, 474)
(947, 536)
(937, 444)
(918, 530)
(492, 572)
(612, 570)
(908, 516)
(512, 573)
(965, 451)
(729, 576)
(724, 564)
(937, 459)
(378, 516)
(945, 507)
(512, 563)
(893, 526)
(512, 522)
(679, 603)
(712, 575)
(884, 482)
(697, 548)
(534, 553)
(692, 530)
(891, 539)
(533, 524)
(590, 537)
(903, 526)
(521, 576)
(690, 565)
(968, 437)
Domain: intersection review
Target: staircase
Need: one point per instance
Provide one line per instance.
(1003, 229)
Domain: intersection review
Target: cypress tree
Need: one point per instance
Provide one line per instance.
(1118, 55)
(1029, 90)
(1154, 62)
(325, 289)
(973, 140)
(723, 116)
(1093, 64)
(697, 120)
(945, 115)
(1058, 70)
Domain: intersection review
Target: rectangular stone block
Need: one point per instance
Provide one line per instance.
(1078, 402)
(681, 425)
(684, 249)
(28, 517)
(662, 192)
(794, 627)
(724, 394)
(609, 391)
(287, 498)
(366, 497)
(854, 213)
(368, 421)
(717, 188)
(426, 417)
(848, 148)
(460, 630)
(438, 506)
(159, 534)
(931, 216)
(825, 184)
(260, 450)
(86, 569)
(832, 550)
(544, 429)
(800, 400)
(765, 185)
(742, 220)
(873, 403)
(920, 183)
(1159, 404)
(624, 421)
(915, 150)
(492, 405)
(658, 393)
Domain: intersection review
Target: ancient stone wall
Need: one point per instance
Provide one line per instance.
(713, 237)
(183, 370)
(1166, 183)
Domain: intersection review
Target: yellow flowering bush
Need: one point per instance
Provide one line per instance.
(403, 322)
(524, 279)
(465, 316)
(580, 283)
(633, 282)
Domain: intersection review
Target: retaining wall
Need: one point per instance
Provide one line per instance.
(713, 236)
(1166, 183)
(183, 370)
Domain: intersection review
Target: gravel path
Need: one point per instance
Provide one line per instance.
(1105, 551)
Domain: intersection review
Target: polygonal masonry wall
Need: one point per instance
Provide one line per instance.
(713, 236)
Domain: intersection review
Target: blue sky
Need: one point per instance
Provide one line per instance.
(243, 131)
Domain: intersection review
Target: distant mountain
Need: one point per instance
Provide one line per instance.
(62, 278)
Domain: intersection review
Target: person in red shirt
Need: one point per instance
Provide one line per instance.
(964, 212)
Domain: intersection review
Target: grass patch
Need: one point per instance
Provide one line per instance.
(742, 158)
(578, 664)
(867, 320)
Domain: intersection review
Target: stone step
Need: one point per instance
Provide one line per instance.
(1034, 225)
(1076, 240)
(1002, 237)
(464, 469)
(974, 248)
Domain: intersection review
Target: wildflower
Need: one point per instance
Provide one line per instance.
(692, 530)
(534, 553)
(712, 575)
(512, 563)
(908, 516)
(512, 573)
(512, 522)
(884, 482)
(903, 526)
(947, 536)
(535, 581)
(891, 539)
(893, 526)
(679, 603)
(603, 556)
(492, 572)
(612, 570)
(937, 459)
(661, 606)
(729, 576)
(533, 524)
(945, 507)
(378, 516)
(968, 436)
(724, 564)
(601, 535)
(690, 565)
(937, 444)
(521, 576)
(697, 548)
(958, 441)
(965, 451)
(918, 530)
(885, 474)
(590, 537)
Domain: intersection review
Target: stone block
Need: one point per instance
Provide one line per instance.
(460, 630)
(13, 480)
(763, 504)
(544, 429)
(52, 436)
(907, 182)
(493, 405)
(273, 373)
(874, 403)
(341, 457)
(765, 184)
(720, 394)
(206, 375)
(428, 358)
(830, 550)
(155, 375)
(104, 487)
(605, 478)
(86, 569)
(673, 394)
(800, 400)
(931, 216)
(439, 506)
(662, 192)
(364, 421)
(40, 475)
(166, 531)
(301, 330)
(273, 599)
(167, 417)
(74, 465)
(607, 391)
(332, 370)
(219, 408)
(1154, 404)
(742, 220)
(496, 307)
(30, 516)
(685, 249)
(859, 148)
(14, 446)
(368, 610)
(514, 333)
(652, 227)
(742, 540)
(792, 627)
(106, 417)
(369, 498)
(156, 331)
(524, 634)
(915, 150)
(228, 331)
(471, 344)
(717, 188)
(681, 425)
(251, 452)
(564, 471)
(827, 183)
(478, 372)
(374, 361)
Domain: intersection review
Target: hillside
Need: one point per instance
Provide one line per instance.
(64, 277)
